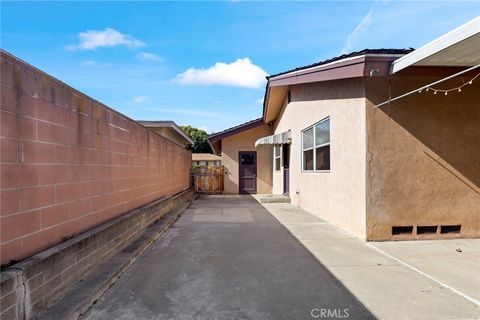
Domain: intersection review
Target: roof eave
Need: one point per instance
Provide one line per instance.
(449, 39)
(234, 130)
(352, 67)
(166, 124)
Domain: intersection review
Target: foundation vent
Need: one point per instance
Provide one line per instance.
(450, 229)
(400, 230)
(427, 229)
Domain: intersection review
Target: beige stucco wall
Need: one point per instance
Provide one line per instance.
(337, 196)
(424, 158)
(245, 141)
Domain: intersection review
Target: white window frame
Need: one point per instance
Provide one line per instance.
(302, 150)
(275, 157)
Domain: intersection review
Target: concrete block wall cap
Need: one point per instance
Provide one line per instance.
(28, 263)
(156, 202)
(181, 193)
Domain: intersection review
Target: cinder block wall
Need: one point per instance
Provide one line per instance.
(69, 163)
(31, 286)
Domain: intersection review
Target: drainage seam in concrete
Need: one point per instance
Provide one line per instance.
(473, 300)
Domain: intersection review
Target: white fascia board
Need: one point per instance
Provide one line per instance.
(455, 36)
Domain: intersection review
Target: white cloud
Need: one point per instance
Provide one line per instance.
(139, 99)
(240, 73)
(259, 101)
(146, 56)
(92, 39)
(361, 28)
(89, 62)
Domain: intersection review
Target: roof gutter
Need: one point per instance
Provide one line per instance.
(333, 65)
(453, 37)
(265, 100)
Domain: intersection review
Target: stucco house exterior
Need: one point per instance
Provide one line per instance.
(247, 170)
(359, 140)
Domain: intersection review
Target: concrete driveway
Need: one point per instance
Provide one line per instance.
(228, 258)
(394, 280)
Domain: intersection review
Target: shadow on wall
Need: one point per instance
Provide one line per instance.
(229, 183)
(329, 90)
(449, 125)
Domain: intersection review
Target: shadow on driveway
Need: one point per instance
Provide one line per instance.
(228, 258)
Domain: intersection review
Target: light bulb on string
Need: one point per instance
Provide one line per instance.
(446, 91)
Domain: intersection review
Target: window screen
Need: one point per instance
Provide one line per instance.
(316, 147)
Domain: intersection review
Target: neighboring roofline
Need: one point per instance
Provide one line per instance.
(208, 157)
(211, 147)
(165, 124)
(461, 33)
(234, 130)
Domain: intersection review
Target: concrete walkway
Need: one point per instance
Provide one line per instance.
(394, 280)
(227, 258)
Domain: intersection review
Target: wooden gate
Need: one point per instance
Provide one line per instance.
(208, 180)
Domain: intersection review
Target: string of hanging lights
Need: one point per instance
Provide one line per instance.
(430, 86)
(446, 91)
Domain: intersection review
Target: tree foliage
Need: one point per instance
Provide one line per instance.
(199, 137)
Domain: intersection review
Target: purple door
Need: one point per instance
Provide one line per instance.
(247, 172)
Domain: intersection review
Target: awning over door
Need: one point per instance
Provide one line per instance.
(279, 138)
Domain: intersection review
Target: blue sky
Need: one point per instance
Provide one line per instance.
(203, 63)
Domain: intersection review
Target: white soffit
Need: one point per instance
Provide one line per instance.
(458, 48)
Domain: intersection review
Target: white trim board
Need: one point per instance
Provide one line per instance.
(449, 39)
